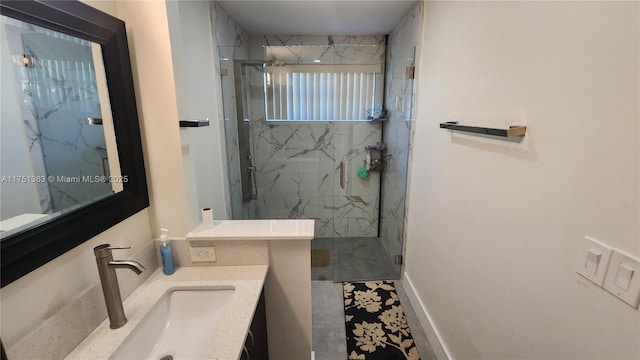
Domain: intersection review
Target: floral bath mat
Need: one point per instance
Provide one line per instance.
(375, 323)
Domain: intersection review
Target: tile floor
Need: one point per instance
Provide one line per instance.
(328, 334)
(354, 259)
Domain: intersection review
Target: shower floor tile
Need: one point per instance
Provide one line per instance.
(354, 259)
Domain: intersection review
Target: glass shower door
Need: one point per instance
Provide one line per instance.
(302, 115)
(359, 253)
(397, 138)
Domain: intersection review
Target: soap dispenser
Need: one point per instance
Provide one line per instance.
(165, 253)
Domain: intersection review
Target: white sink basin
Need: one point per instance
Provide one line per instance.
(179, 325)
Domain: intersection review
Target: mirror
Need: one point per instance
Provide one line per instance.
(68, 111)
(53, 152)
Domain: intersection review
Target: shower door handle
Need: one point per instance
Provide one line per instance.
(342, 175)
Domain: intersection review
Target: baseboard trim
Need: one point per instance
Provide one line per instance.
(439, 348)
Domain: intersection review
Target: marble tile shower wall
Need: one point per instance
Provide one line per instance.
(298, 163)
(60, 93)
(400, 95)
(231, 41)
(29, 115)
(331, 49)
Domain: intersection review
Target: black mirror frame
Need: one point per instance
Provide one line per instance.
(29, 249)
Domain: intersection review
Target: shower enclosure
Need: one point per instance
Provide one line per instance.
(301, 120)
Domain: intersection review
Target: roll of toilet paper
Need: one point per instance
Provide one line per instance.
(207, 218)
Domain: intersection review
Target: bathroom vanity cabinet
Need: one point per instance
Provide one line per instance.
(255, 344)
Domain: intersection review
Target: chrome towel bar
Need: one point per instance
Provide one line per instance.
(93, 121)
(194, 123)
(512, 131)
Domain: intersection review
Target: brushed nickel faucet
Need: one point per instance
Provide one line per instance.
(107, 270)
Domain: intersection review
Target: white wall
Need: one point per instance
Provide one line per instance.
(197, 89)
(495, 226)
(153, 76)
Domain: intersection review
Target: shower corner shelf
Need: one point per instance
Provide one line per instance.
(377, 147)
(511, 132)
(377, 120)
(378, 117)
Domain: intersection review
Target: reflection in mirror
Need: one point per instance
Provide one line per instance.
(55, 93)
(52, 158)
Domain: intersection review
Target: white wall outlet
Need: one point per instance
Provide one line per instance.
(202, 254)
(623, 278)
(593, 260)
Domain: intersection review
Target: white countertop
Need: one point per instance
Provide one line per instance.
(255, 230)
(228, 341)
(20, 220)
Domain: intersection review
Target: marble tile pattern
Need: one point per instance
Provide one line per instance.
(298, 163)
(227, 32)
(60, 94)
(14, 30)
(400, 95)
(331, 49)
(56, 337)
(230, 41)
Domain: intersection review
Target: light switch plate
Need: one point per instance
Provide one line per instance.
(619, 268)
(589, 252)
